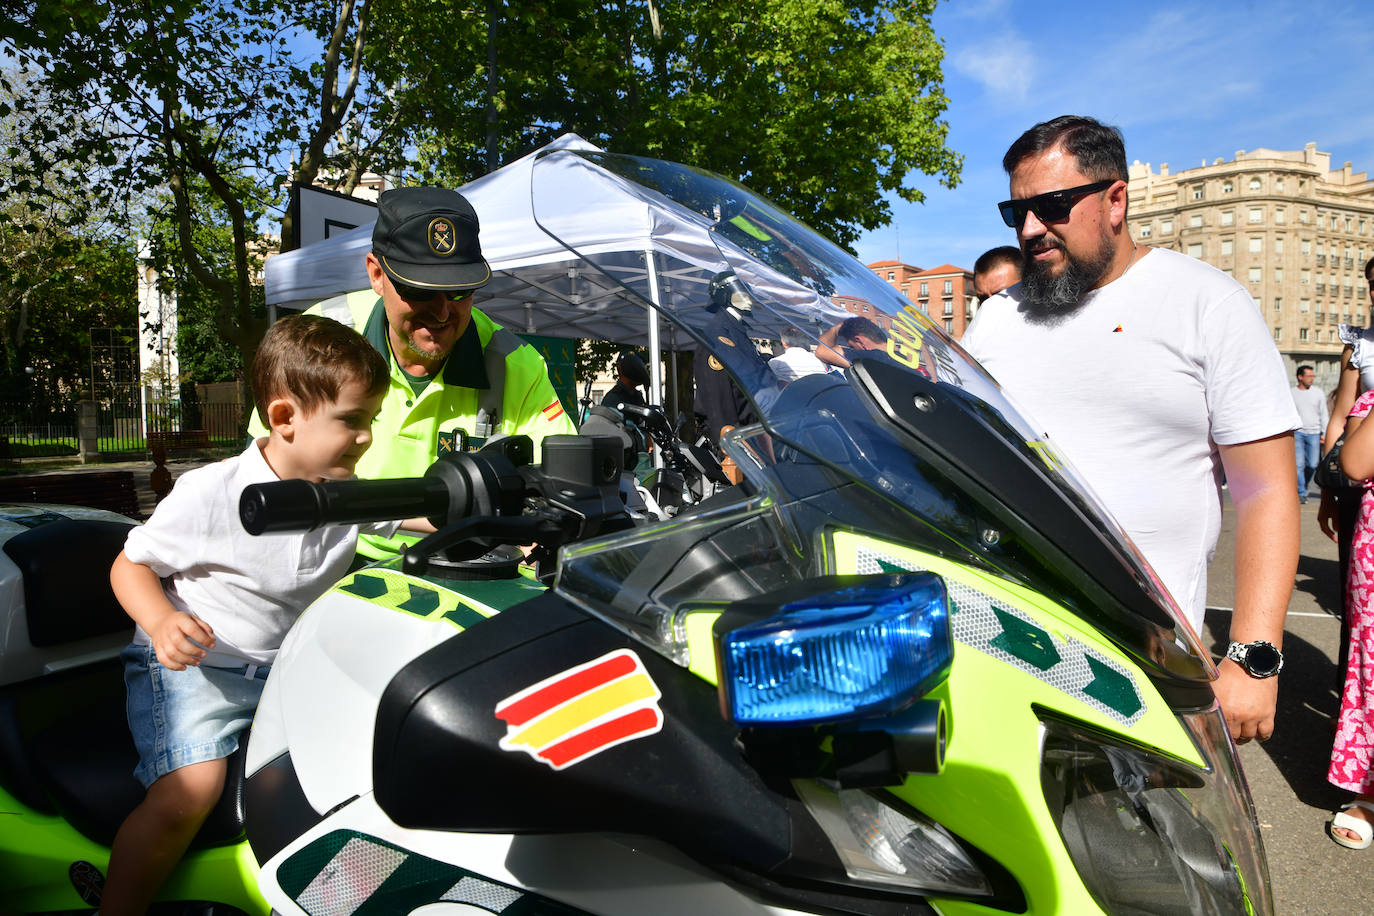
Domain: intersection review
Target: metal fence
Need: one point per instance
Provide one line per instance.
(38, 430)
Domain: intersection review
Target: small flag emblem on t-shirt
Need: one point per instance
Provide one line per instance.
(1118, 330)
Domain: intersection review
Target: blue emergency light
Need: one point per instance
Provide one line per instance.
(857, 652)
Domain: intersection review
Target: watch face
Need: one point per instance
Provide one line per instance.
(1262, 659)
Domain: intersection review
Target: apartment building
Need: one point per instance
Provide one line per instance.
(1295, 232)
(945, 293)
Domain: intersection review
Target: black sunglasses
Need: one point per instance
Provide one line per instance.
(1050, 207)
(415, 294)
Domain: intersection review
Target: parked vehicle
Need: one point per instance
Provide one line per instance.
(66, 756)
(908, 666)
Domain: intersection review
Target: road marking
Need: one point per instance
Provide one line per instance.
(1228, 610)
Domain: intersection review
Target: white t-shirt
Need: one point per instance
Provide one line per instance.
(248, 589)
(1137, 388)
(794, 363)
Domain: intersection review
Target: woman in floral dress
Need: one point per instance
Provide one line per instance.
(1352, 754)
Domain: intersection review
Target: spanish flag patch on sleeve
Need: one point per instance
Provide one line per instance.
(553, 411)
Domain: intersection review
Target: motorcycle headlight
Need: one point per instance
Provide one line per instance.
(1153, 834)
(886, 845)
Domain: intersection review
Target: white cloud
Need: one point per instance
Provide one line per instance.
(1004, 65)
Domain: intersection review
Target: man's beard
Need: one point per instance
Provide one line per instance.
(1050, 297)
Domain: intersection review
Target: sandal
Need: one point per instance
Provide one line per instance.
(1358, 826)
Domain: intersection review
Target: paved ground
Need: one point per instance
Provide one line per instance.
(1287, 774)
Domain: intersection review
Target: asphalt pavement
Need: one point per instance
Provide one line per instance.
(1287, 774)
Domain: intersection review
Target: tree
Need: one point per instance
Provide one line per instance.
(193, 103)
(820, 105)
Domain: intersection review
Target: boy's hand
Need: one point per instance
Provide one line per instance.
(175, 639)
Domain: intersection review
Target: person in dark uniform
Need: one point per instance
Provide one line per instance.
(630, 377)
(718, 398)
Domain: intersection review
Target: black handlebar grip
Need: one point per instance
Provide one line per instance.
(299, 505)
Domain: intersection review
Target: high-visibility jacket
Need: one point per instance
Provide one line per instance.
(489, 369)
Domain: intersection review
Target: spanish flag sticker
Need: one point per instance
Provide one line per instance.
(578, 713)
(553, 411)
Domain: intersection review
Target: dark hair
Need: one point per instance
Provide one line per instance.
(1005, 254)
(309, 358)
(1099, 149)
(861, 327)
(1302, 369)
(1367, 265)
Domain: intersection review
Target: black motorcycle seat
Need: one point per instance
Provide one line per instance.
(65, 749)
(87, 771)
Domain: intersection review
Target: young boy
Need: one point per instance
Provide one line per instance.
(213, 603)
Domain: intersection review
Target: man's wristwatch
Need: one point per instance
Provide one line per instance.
(1258, 658)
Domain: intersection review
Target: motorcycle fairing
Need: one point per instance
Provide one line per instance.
(688, 784)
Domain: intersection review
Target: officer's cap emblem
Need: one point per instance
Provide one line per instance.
(442, 236)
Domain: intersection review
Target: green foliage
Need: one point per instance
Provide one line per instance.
(820, 105)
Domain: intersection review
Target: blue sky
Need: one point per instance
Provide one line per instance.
(1184, 82)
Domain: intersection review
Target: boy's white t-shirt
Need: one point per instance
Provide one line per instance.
(249, 589)
(1137, 388)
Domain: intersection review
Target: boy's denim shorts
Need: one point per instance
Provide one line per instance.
(183, 717)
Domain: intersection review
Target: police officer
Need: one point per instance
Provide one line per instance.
(457, 377)
(631, 375)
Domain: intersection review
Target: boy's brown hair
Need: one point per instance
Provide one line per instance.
(309, 358)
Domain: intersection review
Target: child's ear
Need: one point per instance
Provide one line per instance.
(281, 415)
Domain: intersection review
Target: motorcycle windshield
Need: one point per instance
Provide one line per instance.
(912, 442)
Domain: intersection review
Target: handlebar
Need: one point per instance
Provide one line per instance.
(299, 505)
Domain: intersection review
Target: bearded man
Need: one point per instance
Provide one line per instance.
(1155, 375)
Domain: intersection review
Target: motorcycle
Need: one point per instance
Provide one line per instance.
(909, 665)
(66, 757)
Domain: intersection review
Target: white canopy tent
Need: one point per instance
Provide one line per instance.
(618, 246)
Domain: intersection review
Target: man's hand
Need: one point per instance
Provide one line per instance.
(175, 637)
(1246, 702)
(1326, 515)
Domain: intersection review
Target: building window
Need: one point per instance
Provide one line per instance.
(1278, 245)
(1227, 187)
(1228, 218)
(1306, 246)
(1195, 250)
(892, 274)
(949, 325)
(1228, 246)
(1166, 227)
(924, 291)
(1280, 216)
(1256, 245)
(1304, 305)
(1144, 232)
(949, 287)
(1278, 274)
(1256, 274)
(1304, 217)
(1348, 224)
(1278, 303)
(1304, 276)
(1197, 192)
(1255, 184)
(1256, 215)
(1302, 334)
(1278, 332)
(1278, 185)
(949, 306)
(925, 306)
(1195, 220)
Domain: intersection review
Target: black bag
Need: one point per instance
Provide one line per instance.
(1328, 474)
